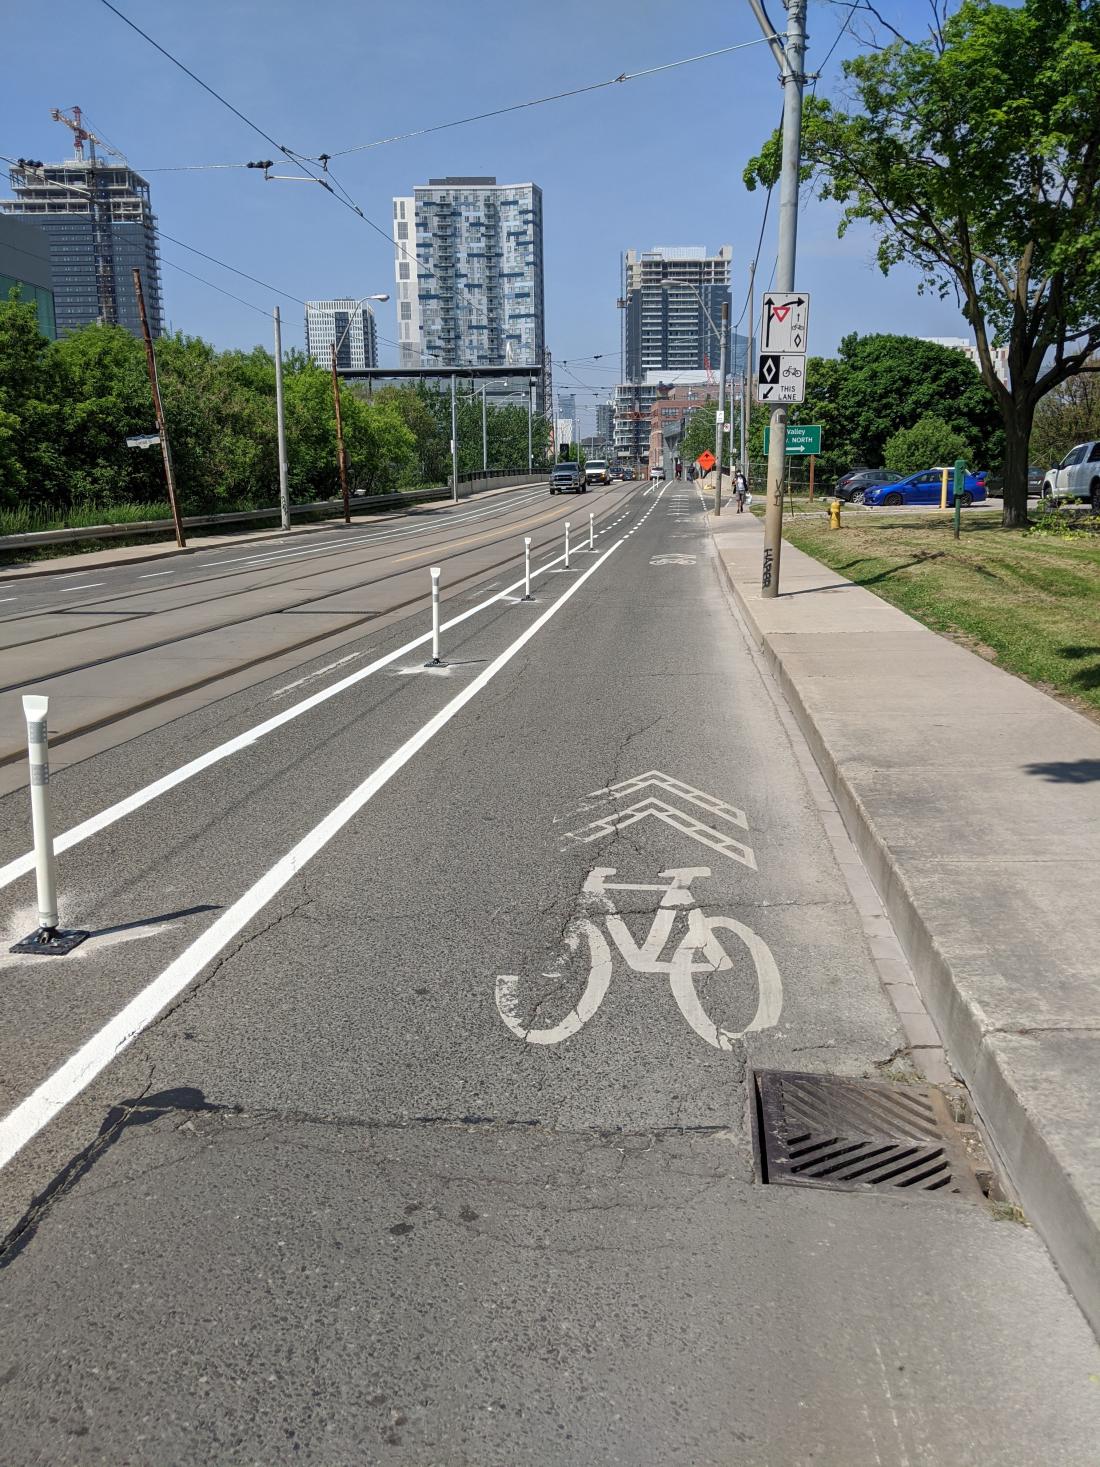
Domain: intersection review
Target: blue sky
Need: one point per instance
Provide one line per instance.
(652, 161)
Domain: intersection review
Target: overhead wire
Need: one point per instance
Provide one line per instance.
(624, 76)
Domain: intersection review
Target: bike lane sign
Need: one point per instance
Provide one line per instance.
(781, 377)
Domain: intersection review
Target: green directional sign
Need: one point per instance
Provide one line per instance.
(802, 438)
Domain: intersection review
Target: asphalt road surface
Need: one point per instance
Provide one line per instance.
(375, 1123)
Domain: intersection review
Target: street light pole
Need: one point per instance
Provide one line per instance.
(530, 422)
(793, 82)
(746, 380)
(454, 443)
(720, 415)
(280, 421)
(484, 436)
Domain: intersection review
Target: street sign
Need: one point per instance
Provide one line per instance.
(706, 461)
(719, 416)
(143, 440)
(802, 438)
(781, 377)
(786, 315)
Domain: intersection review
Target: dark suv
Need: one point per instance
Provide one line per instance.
(857, 480)
(568, 478)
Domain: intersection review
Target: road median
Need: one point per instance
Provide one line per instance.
(974, 800)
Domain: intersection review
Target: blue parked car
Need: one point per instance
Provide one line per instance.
(924, 488)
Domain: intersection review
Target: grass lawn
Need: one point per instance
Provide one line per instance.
(1029, 602)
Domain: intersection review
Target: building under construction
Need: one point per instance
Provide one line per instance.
(97, 218)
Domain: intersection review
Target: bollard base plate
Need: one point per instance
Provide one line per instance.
(435, 662)
(50, 942)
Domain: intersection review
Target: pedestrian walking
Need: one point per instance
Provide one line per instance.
(740, 490)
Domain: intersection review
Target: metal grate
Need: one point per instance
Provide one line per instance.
(855, 1135)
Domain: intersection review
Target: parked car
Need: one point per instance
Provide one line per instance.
(855, 481)
(995, 484)
(924, 488)
(568, 478)
(1076, 477)
(597, 472)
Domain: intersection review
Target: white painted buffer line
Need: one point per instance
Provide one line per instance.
(39, 1108)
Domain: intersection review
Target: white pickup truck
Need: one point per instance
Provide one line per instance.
(1076, 477)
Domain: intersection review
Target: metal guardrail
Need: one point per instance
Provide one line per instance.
(69, 536)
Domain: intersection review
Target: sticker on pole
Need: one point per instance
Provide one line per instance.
(781, 377)
(784, 321)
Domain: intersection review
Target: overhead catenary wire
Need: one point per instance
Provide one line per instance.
(624, 76)
(221, 289)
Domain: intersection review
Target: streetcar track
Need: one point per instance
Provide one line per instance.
(197, 684)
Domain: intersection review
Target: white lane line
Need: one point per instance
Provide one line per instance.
(149, 575)
(9, 598)
(121, 808)
(69, 1079)
(84, 586)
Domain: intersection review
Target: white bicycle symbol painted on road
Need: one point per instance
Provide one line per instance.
(699, 951)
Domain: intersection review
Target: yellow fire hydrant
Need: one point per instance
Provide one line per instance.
(834, 514)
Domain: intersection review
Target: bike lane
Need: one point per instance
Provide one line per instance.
(388, 1198)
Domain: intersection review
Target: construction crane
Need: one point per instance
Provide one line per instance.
(98, 206)
(708, 369)
(81, 133)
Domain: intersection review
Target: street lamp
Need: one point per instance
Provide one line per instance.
(342, 457)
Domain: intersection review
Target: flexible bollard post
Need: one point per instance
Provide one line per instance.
(567, 544)
(436, 660)
(46, 938)
(591, 532)
(527, 568)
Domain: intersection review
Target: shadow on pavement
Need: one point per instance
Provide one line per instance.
(1067, 771)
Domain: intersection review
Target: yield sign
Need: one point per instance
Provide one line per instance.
(786, 316)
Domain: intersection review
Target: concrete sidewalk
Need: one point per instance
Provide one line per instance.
(974, 801)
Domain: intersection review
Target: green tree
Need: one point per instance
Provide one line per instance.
(976, 155)
(32, 466)
(924, 445)
(1068, 415)
(698, 434)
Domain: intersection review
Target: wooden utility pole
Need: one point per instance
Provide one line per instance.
(341, 454)
(158, 408)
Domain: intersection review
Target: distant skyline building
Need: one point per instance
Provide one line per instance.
(672, 298)
(567, 408)
(960, 343)
(97, 217)
(605, 422)
(634, 408)
(25, 264)
(469, 269)
(326, 323)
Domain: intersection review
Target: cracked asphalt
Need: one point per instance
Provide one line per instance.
(331, 1208)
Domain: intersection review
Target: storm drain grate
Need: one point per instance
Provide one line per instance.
(852, 1135)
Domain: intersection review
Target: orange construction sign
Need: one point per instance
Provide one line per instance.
(706, 460)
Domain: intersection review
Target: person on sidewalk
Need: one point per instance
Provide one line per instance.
(740, 489)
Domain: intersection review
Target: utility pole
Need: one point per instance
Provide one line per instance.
(720, 415)
(454, 443)
(158, 408)
(747, 378)
(484, 435)
(793, 77)
(280, 419)
(341, 455)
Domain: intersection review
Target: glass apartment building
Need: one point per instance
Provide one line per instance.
(99, 223)
(25, 267)
(468, 264)
(673, 297)
(350, 322)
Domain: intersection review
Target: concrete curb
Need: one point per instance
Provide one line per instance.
(1047, 1177)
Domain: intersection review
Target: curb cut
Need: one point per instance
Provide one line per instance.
(1043, 1179)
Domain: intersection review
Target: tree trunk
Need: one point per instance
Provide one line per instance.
(1017, 426)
